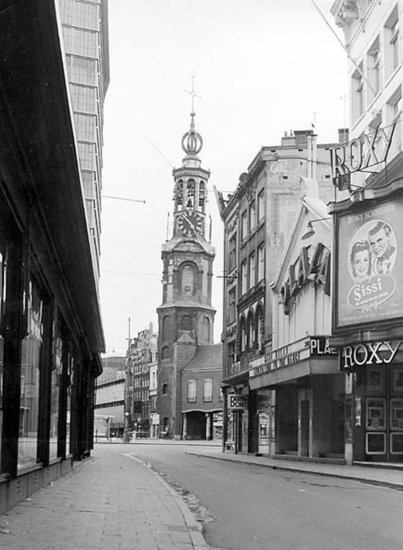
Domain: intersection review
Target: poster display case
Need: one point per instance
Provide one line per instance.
(376, 413)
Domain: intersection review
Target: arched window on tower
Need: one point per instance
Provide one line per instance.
(165, 328)
(165, 352)
(186, 323)
(187, 279)
(202, 195)
(190, 197)
(179, 193)
(206, 327)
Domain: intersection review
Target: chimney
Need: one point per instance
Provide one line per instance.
(343, 135)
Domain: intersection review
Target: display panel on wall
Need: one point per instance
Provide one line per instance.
(369, 264)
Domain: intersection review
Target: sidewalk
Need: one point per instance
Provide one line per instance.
(374, 473)
(109, 502)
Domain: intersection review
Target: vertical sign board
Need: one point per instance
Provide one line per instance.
(369, 264)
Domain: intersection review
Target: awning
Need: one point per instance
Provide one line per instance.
(283, 375)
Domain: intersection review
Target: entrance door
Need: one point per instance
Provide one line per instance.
(304, 427)
(384, 413)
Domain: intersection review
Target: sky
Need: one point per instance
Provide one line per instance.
(262, 67)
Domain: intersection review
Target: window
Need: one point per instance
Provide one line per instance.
(231, 352)
(260, 206)
(82, 71)
(191, 391)
(208, 389)
(251, 331)
(259, 328)
(394, 115)
(231, 305)
(357, 93)
(244, 225)
(86, 152)
(242, 334)
(252, 270)
(187, 277)
(164, 389)
(373, 70)
(260, 262)
(232, 252)
(186, 322)
(85, 126)
(244, 277)
(84, 98)
(252, 216)
(392, 43)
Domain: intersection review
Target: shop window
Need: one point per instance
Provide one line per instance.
(191, 391)
(57, 368)
(2, 302)
(208, 390)
(70, 382)
(30, 379)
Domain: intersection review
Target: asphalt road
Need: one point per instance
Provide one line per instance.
(247, 507)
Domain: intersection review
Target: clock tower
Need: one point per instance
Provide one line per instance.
(185, 317)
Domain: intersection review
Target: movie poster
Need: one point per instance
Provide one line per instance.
(370, 265)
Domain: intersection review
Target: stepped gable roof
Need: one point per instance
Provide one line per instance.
(206, 358)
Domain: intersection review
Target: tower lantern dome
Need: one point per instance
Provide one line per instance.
(192, 144)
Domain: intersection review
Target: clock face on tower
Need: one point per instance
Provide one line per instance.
(190, 224)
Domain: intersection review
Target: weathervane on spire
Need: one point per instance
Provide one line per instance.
(193, 94)
(192, 142)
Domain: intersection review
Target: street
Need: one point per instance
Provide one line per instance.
(249, 507)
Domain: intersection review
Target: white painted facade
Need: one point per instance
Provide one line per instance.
(373, 44)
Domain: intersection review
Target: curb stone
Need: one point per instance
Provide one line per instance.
(196, 530)
(378, 482)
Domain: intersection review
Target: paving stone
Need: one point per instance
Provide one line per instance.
(109, 502)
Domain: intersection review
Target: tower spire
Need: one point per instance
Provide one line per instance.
(192, 141)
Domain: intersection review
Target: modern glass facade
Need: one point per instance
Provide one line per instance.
(85, 35)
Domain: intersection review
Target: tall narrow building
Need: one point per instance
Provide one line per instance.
(186, 316)
(86, 47)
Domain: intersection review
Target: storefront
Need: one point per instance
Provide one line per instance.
(50, 324)
(368, 318)
(304, 400)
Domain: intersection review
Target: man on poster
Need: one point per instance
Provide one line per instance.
(383, 251)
